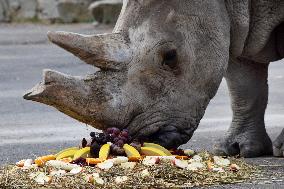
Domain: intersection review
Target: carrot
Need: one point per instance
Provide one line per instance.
(21, 163)
(182, 157)
(135, 158)
(93, 161)
(40, 161)
(210, 165)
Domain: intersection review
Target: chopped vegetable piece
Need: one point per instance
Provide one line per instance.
(42, 160)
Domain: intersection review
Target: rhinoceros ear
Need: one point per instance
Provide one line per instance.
(105, 51)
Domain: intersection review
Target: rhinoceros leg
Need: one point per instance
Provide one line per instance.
(278, 145)
(247, 82)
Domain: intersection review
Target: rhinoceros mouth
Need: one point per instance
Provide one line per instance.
(169, 138)
(169, 132)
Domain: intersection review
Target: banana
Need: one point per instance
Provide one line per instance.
(83, 153)
(157, 146)
(130, 151)
(104, 151)
(67, 149)
(149, 151)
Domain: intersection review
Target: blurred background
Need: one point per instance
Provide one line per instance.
(29, 129)
(60, 11)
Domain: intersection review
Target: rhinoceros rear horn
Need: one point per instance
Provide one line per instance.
(105, 51)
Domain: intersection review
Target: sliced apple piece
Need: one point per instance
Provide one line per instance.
(66, 154)
(65, 150)
(157, 146)
(83, 153)
(104, 151)
(130, 151)
(149, 151)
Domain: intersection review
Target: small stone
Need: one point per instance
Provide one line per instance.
(189, 152)
(145, 173)
(149, 161)
(96, 175)
(218, 169)
(28, 163)
(234, 167)
(121, 179)
(40, 178)
(118, 160)
(128, 165)
(99, 181)
(95, 179)
(221, 161)
(180, 163)
(195, 166)
(76, 170)
(105, 165)
(196, 158)
(58, 173)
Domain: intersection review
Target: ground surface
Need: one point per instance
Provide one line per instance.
(29, 129)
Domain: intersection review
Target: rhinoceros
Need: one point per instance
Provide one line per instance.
(164, 62)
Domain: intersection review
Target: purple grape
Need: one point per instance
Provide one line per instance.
(84, 143)
(80, 161)
(109, 130)
(115, 140)
(95, 149)
(116, 131)
(113, 135)
(93, 134)
(101, 138)
(124, 134)
(116, 150)
(120, 143)
(124, 139)
(126, 130)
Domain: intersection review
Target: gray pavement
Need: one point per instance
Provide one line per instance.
(29, 129)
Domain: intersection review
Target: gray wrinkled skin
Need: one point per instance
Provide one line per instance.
(164, 62)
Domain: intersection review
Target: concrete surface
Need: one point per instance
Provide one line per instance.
(29, 129)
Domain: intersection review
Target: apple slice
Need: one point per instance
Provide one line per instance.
(83, 153)
(157, 146)
(130, 151)
(66, 154)
(104, 151)
(65, 150)
(149, 151)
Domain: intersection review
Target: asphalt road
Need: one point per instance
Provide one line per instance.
(29, 129)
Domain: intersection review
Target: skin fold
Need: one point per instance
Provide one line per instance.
(163, 64)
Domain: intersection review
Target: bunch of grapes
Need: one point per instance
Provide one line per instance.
(114, 135)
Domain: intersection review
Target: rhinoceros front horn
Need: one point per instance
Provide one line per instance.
(105, 51)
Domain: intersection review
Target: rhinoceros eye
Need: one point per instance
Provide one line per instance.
(170, 59)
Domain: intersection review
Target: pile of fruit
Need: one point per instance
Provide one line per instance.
(112, 160)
